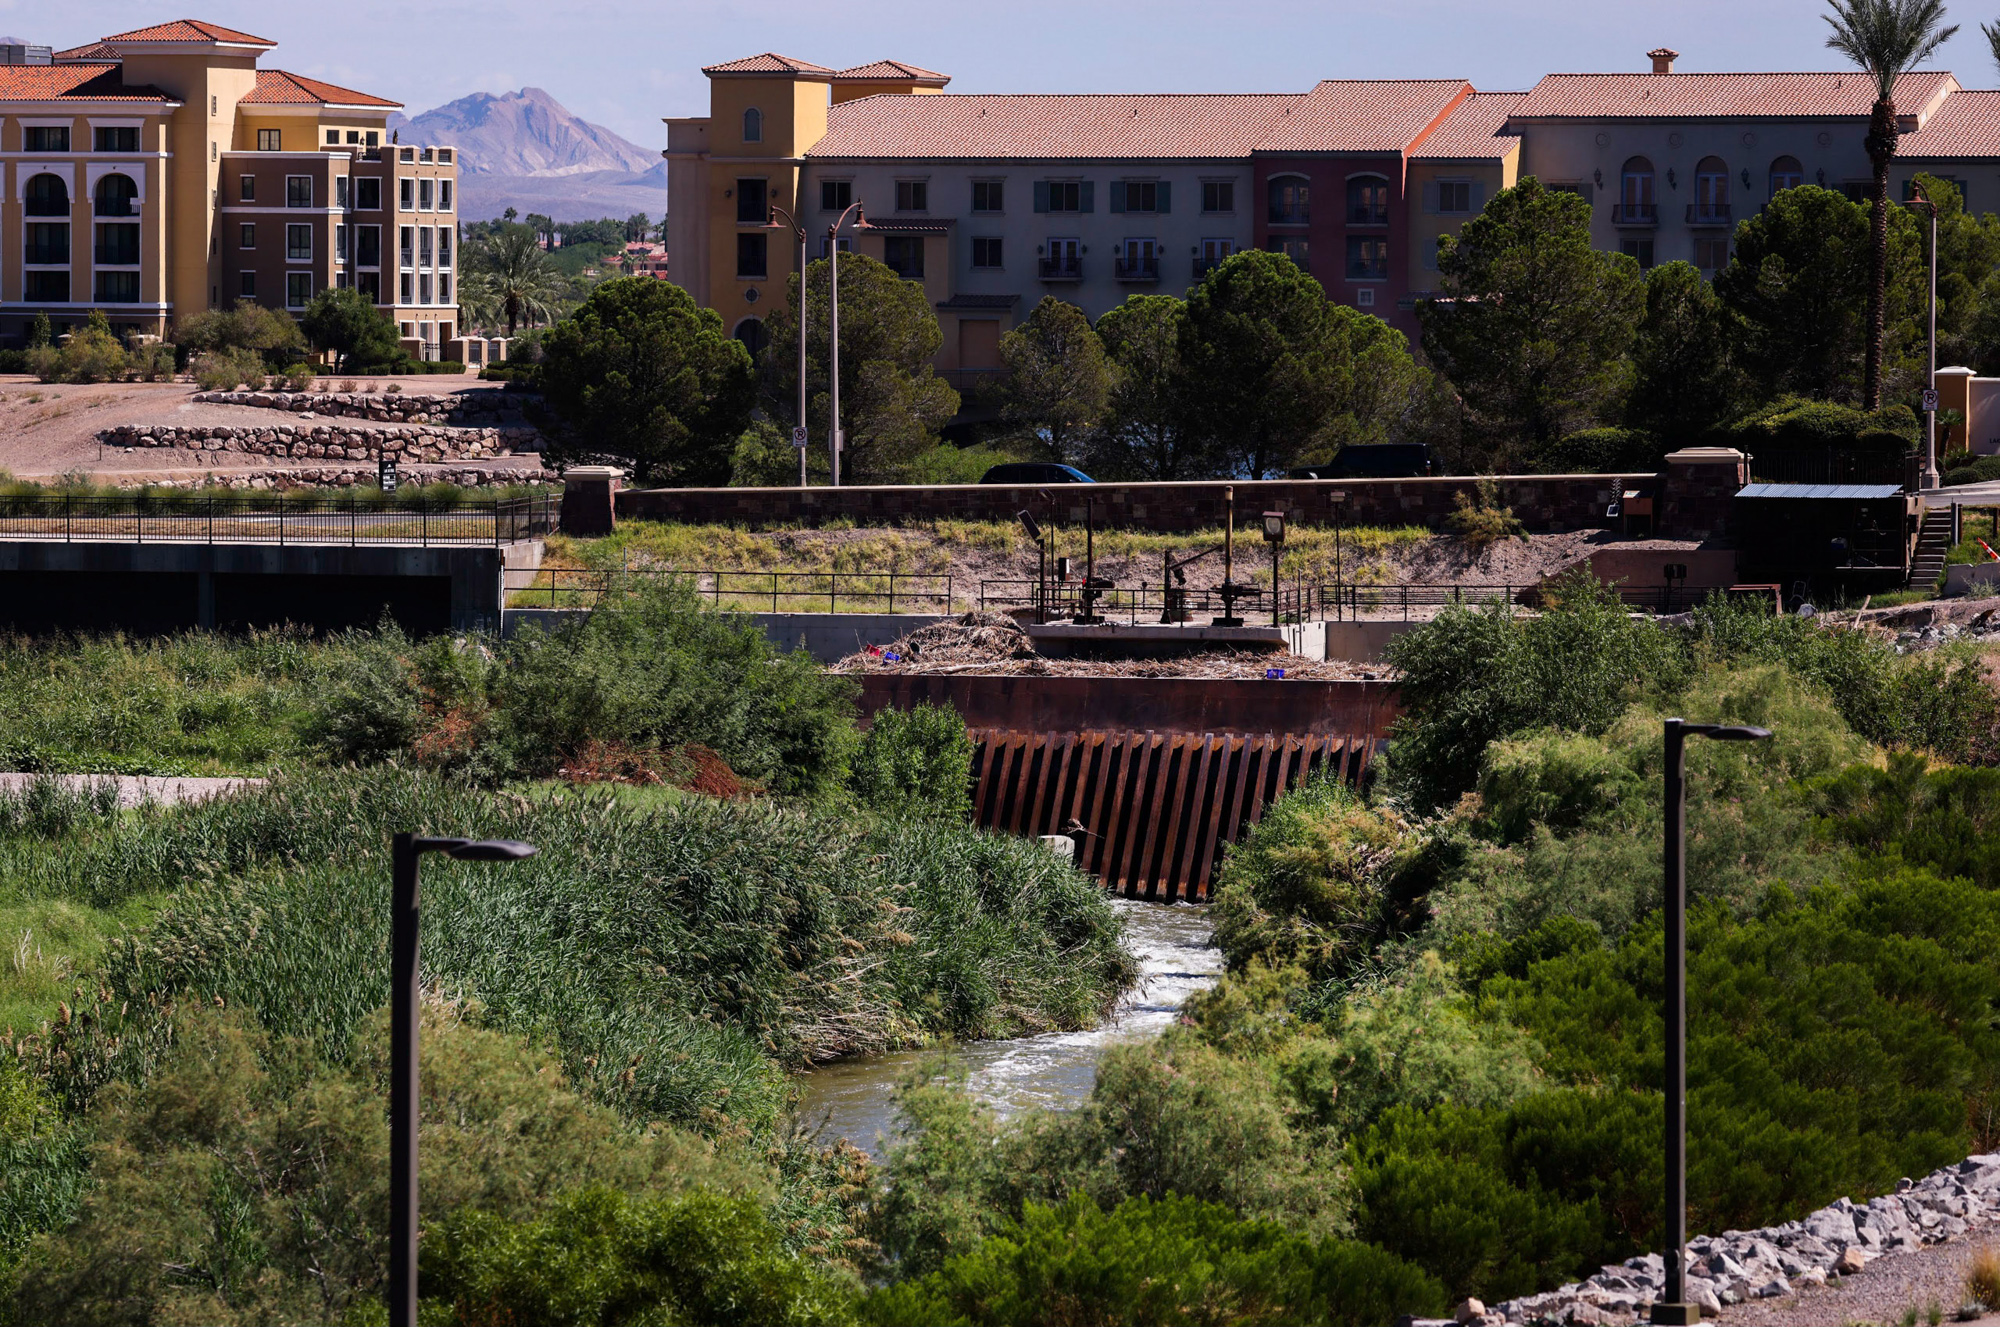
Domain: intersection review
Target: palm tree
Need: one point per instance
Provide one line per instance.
(1992, 31)
(1887, 39)
(508, 276)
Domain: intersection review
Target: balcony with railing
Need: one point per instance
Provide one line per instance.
(117, 254)
(1136, 267)
(46, 254)
(113, 207)
(1635, 214)
(46, 207)
(1062, 267)
(1708, 214)
(1368, 214)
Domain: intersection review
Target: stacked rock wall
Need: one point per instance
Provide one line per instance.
(467, 409)
(403, 443)
(347, 476)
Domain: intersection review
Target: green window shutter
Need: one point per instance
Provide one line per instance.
(1478, 192)
(1041, 195)
(1088, 193)
(1166, 196)
(1431, 198)
(1117, 196)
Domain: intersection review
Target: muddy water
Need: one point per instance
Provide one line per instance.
(1055, 1069)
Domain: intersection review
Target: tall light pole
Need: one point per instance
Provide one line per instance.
(1674, 1308)
(403, 1015)
(1930, 478)
(836, 442)
(799, 433)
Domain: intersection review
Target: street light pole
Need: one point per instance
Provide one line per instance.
(1929, 478)
(404, 979)
(799, 232)
(833, 324)
(1674, 1308)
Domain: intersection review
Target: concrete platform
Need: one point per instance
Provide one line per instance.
(1153, 639)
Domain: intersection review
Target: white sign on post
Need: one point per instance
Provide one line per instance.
(799, 436)
(1930, 398)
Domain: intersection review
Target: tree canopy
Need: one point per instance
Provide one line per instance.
(1060, 381)
(345, 321)
(643, 376)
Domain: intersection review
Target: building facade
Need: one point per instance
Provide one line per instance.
(160, 171)
(993, 201)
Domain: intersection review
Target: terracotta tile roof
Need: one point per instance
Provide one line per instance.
(276, 87)
(767, 63)
(1474, 131)
(78, 82)
(190, 30)
(945, 126)
(96, 51)
(1967, 125)
(1726, 96)
(883, 70)
(1363, 115)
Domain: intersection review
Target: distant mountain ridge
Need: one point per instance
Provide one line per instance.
(527, 151)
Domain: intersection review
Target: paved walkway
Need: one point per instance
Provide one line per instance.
(136, 788)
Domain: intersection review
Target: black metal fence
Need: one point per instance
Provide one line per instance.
(1316, 603)
(746, 590)
(317, 517)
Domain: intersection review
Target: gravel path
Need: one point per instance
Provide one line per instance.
(136, 788)
(1882, 1292)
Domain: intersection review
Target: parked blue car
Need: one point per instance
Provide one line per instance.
(1035, 472)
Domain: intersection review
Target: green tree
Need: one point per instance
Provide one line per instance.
(638, 226)
(1886, 39)
(1145, 434)
(1968, 288)
(641, 374)
(508, 276)
(1377, 385)
(40, 333)
(1534, 329)
(247, 325)
(543, 228)
(1059, 381)
(509, 215)
(1685, 379)
(1259, 352)
(1799, 285)
(892, 403)
(345, 321)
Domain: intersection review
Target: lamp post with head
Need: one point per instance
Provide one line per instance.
(1674, 1308)
(1274, 534)
(403, 1012)
(1930, 478)
(798, 233)
(836, 443)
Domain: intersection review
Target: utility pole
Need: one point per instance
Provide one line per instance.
(1930, 478)
(799, 433)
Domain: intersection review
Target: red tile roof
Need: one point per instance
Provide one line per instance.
(96, 51)
(276, 87)
(945, 126)
(1355, 115)
(1474, 131)
(72, 82)
(191, 30)
(1967, 125)
(767, 63)
(891, 70)
(1726, 96)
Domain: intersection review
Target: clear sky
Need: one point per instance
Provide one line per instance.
(626, 64)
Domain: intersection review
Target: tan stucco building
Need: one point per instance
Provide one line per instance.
(156, 172)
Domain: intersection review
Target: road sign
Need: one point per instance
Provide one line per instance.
(385, 471)
(1930, 398)
(799, 436)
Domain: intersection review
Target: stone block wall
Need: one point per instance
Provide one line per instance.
(467, 409)
(406, 443)
(1542, 502)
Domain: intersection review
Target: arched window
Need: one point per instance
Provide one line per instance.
(1289, 204)
(1786, 173)
(48, 196)
(1368, 201)
(751, 333)
(753, 125)
(115, 195)
(1635, 191)
(1711, 191)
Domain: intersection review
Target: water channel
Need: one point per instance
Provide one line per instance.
(1055, 1069)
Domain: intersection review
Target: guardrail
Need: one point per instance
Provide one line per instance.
(275, 518)
(746, 589)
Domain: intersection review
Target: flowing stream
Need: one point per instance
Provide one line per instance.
(1055, 1069)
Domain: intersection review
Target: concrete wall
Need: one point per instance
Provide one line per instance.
(1544, 502)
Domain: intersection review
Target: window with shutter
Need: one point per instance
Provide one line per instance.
(1041, 195)
(1086, 192)
(1118, 195)
(1163, 197)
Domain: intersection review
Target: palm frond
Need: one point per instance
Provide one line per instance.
(1888, 38)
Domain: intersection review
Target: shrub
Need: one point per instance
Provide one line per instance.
(270, 334)
(1480, 520)
(600, 1257)
(226, 370)
(156, 362)
(40, 331)
(915, 762)
(1173, 1260)
(1982, 1277)
(1602, 451)
(92, 354)
(13, 361)
(298, 377)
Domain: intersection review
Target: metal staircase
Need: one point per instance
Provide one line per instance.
(1933, 543)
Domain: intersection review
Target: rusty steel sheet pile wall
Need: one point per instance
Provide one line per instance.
(1543, 502)
(1162, 773)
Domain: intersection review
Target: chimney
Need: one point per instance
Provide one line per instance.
(1663, 60)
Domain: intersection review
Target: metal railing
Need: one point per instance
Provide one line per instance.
(46, 207)
(745, 590)
(275, 518)
(1708, 214)
(1135, 269)
(117, 255)
(1635, 214)
(1061, 269)
(112, 207)
(1341, 601)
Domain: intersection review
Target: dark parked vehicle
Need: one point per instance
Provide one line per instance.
(1035, 472)
(1375, 460)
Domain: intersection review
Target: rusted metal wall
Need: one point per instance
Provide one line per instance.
(1027, 703)
(1156, 808)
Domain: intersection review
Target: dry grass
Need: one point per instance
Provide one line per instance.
(1982, 1278)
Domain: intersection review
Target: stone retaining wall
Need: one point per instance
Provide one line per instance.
(347, 476)
(470, 409)
(407, 443)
